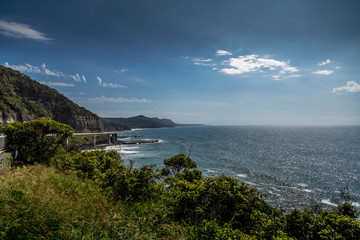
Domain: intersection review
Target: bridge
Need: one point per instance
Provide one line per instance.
(111, 138)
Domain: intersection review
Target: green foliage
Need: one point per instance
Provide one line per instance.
(211, 230)
(190, 175)
(132, 185)
(107, 170)
(299, 223)
(225, 200)
(36, 141)
(347, 209)
(326, 225)
(179, 162)
(40, 203)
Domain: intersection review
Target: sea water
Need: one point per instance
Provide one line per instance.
(295, 167)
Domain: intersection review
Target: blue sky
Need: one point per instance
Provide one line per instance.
(281, 62)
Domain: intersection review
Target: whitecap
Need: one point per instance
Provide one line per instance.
(302, 185)
(128, 152)
(328, 202)
(307, 190)
(242, 175)
(116, 147)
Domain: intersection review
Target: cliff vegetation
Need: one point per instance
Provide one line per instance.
(24, 99)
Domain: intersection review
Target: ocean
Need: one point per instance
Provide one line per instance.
(294, 167)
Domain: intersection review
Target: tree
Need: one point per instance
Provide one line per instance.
(177, 163)
(37, 140)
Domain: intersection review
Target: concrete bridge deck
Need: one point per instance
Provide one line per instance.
(111, 136)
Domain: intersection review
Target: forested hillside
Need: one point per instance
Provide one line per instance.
(23, 99)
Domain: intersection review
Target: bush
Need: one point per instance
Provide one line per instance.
(326, 225)
(177, 163)
(224, 200)
(107, 169)
(36, 141)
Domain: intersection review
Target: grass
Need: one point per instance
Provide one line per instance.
(37, 202)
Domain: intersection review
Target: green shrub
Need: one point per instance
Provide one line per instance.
(224, 200)
(36, 141)
(107, 169)
(177, 163)
(333, 224)
(211, 230)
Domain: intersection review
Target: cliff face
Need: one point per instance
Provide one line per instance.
(23, 99)
(6, 118)
(83, 123)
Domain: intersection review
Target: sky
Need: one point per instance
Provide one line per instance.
(229, 62)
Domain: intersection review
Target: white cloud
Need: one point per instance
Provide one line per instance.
(58, 84)
(289, 69)
(24, 68)
(18, 30)
(51, 72)
(43, 69)
(111, 85)
(123, 70)
(292, 76)
(202, 61)
(204, 64)
(76, 77)
(254, 63)
(223, 53)
(327, 61)
(351, 86)
(276, 77)
(324, 72)
(103, 99)
(99, 80)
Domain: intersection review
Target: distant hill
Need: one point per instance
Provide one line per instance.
(23, 99)
(140, 122)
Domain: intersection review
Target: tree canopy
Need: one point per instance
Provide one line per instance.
(37, 140)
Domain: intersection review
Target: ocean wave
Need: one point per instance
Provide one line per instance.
(122, 151)
(304, 185)
(115, 147)
(328, 202)
(242, 175)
